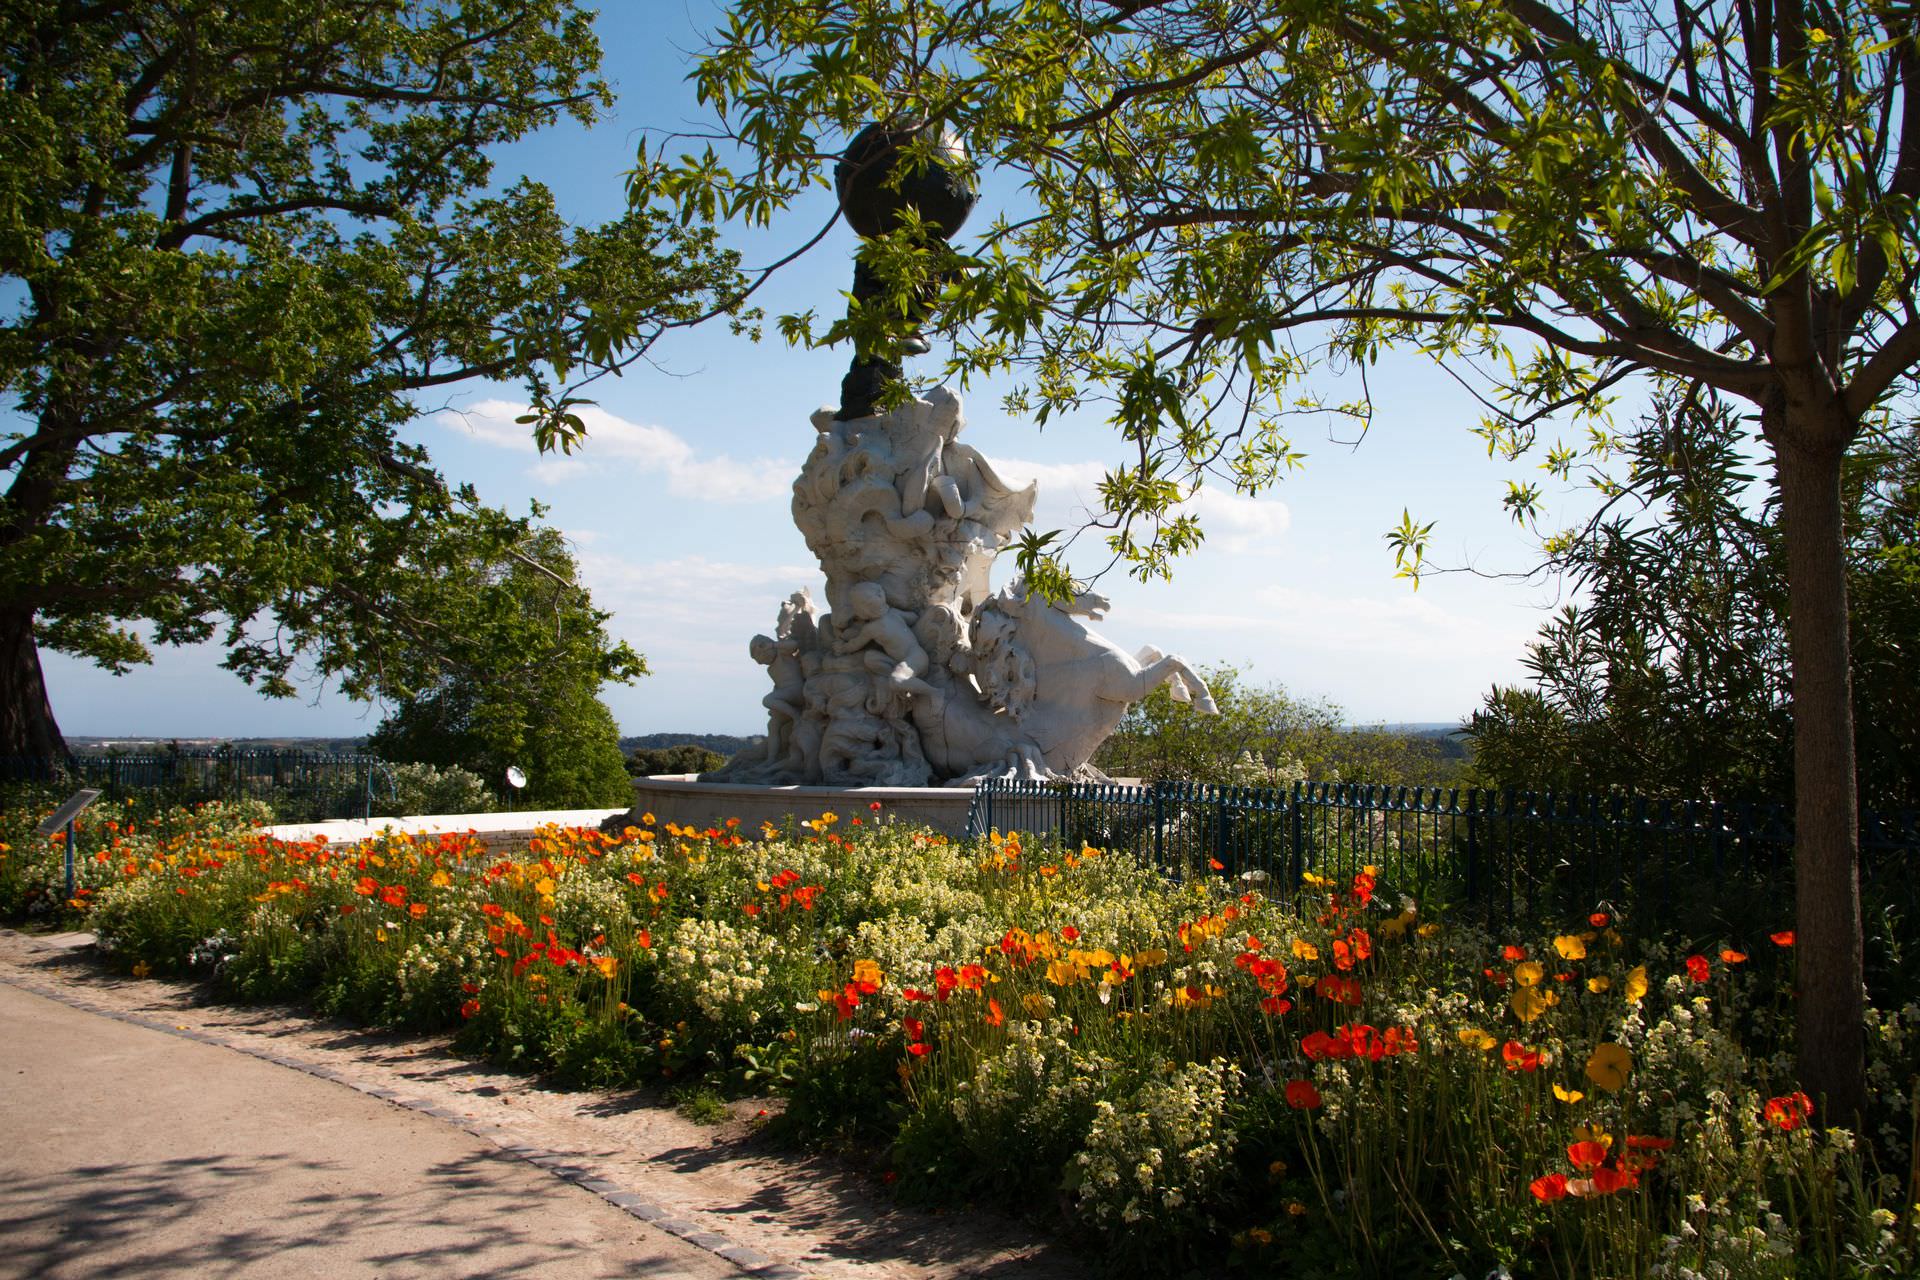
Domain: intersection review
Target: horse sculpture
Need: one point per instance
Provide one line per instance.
(1066, 687)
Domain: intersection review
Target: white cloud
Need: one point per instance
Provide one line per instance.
(648, 449)
(693, 613)
(1398, 622)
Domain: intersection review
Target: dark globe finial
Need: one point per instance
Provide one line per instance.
(872, 201)
(937, 190)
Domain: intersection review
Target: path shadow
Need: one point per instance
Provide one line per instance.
(177, 1217)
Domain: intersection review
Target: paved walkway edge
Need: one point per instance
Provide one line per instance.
(555, 1163)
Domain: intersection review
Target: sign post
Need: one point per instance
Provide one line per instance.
(64, 817)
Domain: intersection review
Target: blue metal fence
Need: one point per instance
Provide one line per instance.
(1512, 854)
(300, 785)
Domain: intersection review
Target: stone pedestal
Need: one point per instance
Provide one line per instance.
(684, 799)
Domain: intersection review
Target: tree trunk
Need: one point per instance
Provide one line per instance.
(1831, 997)
(27, 727)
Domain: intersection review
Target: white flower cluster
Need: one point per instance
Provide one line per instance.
(909, 947)
(1036, 1095)
(439, 960)
(584, 907)
(123, 905)
(1165, 1149)
(931, 883)
(722, 969)
(1720, 1250)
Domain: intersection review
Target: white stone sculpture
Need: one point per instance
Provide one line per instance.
(920, 674)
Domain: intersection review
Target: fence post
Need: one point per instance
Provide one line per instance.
(1299, 867)
(1220, 829)
(1159, 826)
(1473, 843)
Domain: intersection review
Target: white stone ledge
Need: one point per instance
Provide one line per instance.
(683, 798)
(494, 828)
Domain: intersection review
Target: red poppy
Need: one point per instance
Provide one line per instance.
(1318, 1045)
(1511, 953)
(470, 1008)
(1070, 933)
(1302, 1096)
(915, 1029)
(1730, 956)
(1338, 989)
(1550, 1188)
(994, 1016)
(1608, 1181)
(917, 1049)
(1698, 969)
(1275, 1006)
(1599, 919)
(875, 806)
(1586, 1155)
(1401, 1040)
(1520, 1058)
(1784, 938)
(1790, 1112)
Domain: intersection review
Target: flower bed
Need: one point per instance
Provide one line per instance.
(1196, 1075)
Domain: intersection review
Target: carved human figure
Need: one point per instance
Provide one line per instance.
(892, 653)
(784, 704)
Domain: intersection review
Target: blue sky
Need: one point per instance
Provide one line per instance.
(678, 503)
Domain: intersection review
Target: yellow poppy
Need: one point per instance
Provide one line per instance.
(1570, 947)
(1528, 1003)
(1567, 1095)
(1609, 1065)
(1637, 984)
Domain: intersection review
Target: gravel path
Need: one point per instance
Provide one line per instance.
(148, 1132)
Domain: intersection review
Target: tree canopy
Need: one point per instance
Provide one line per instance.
(244, 242)
(518, 682)
(1671, 677)
(1263, 736)
(1550, 197)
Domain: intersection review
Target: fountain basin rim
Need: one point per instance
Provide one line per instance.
(683, 798)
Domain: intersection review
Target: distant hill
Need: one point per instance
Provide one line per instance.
(727, 744)
(152, 746)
